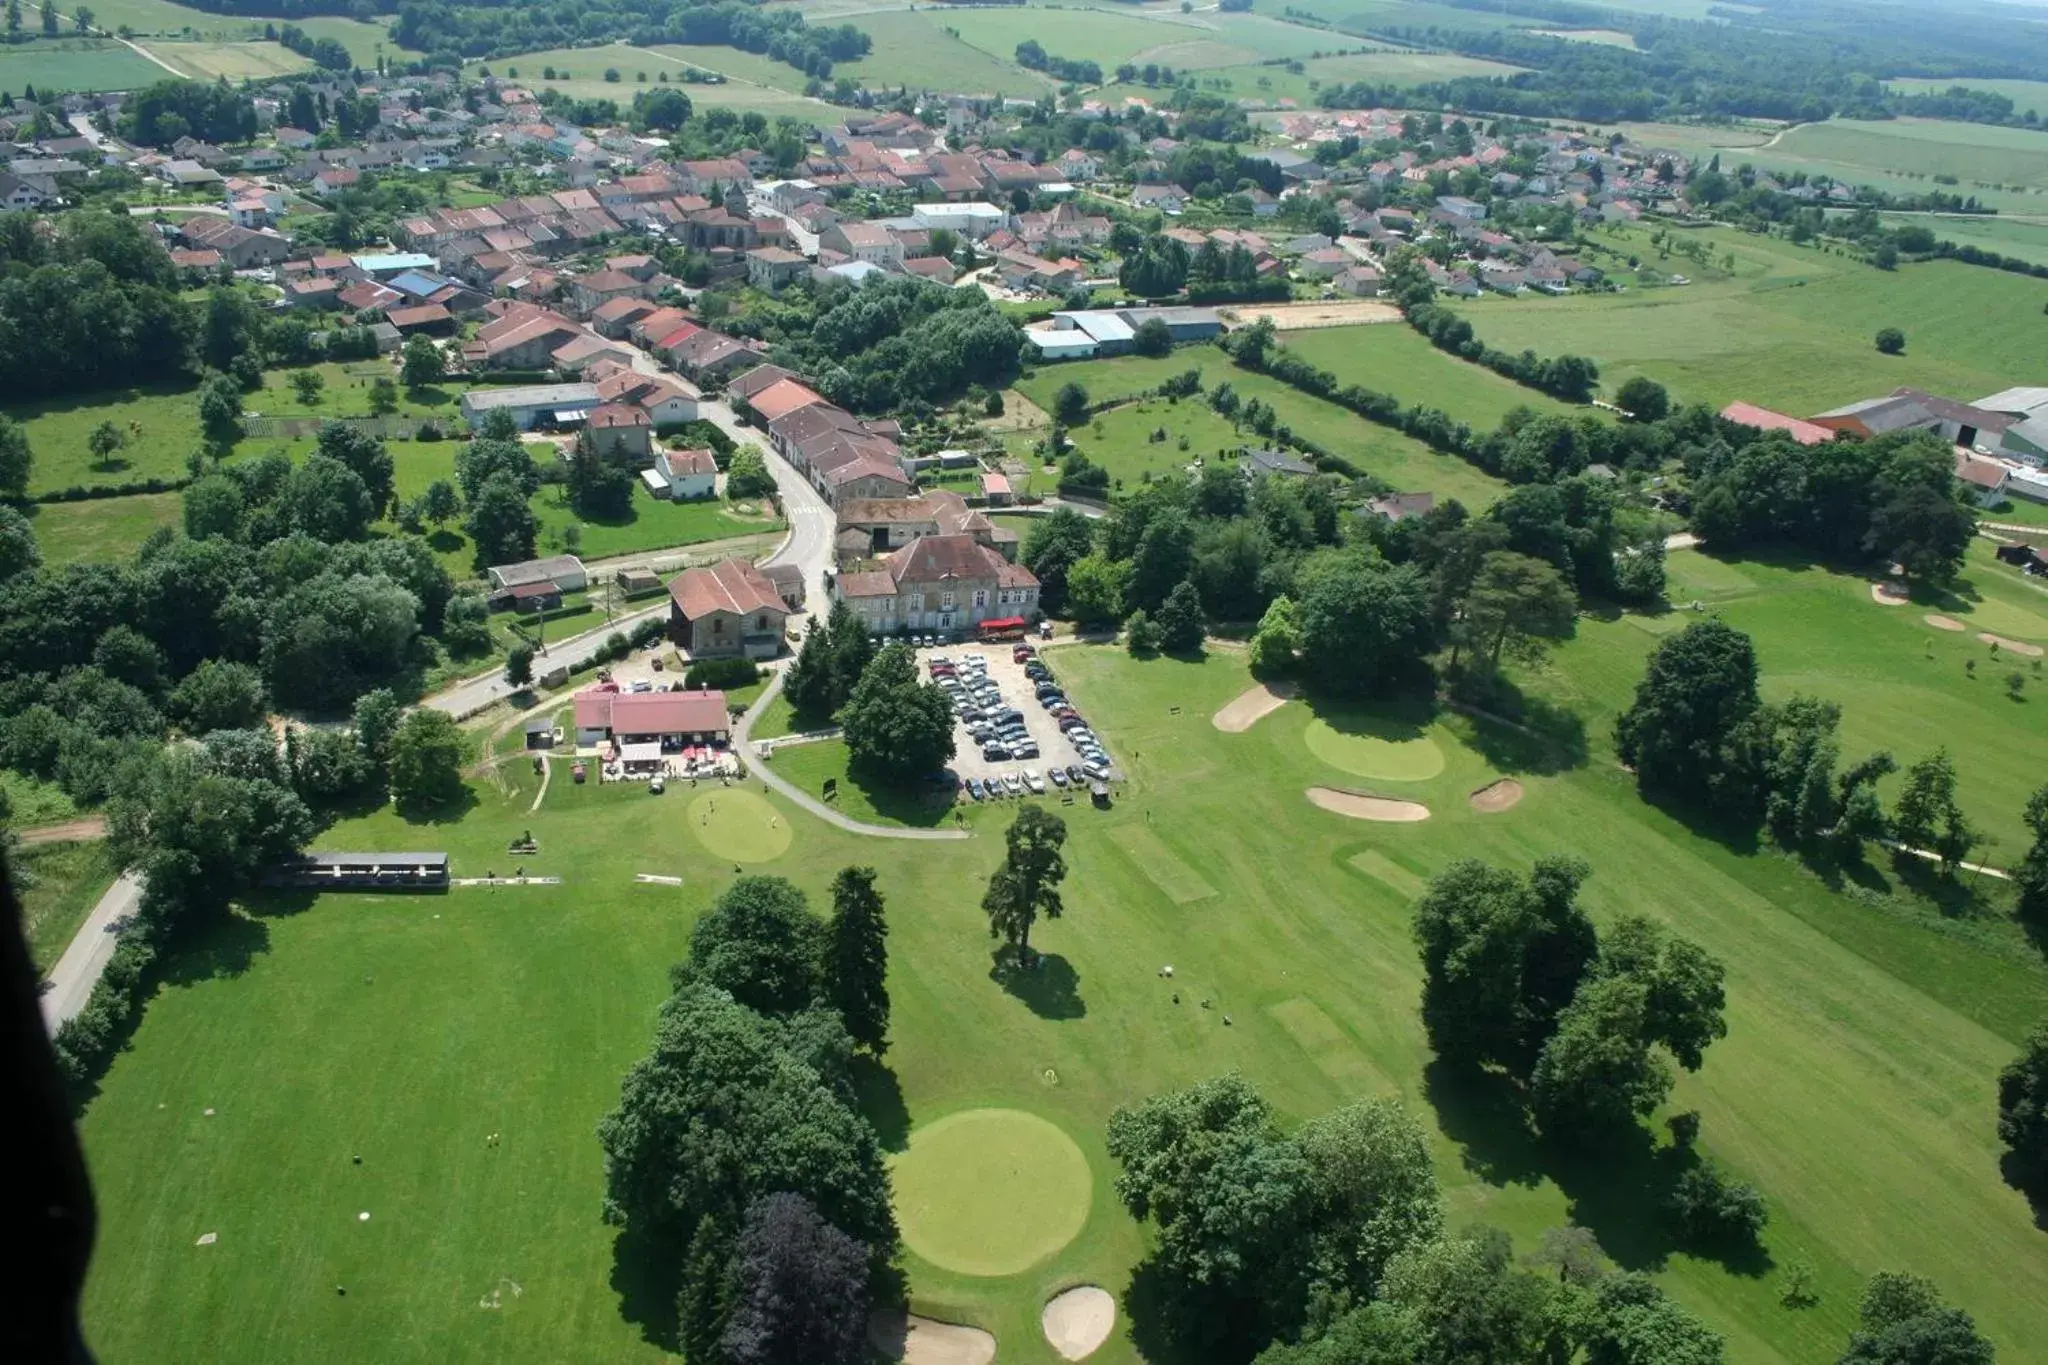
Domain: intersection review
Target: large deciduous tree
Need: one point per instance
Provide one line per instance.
(760, 943)
(896, 726)
(1365, 624)
(1683, 734)
(426, 760)
(363, 453)
(501, 525)
(1516, 605)
(2030, 878)
(800, 1289)
(1902, 1320)
(2023, 1112)
(1025, 886)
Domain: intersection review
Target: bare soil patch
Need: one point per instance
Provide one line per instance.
(1944, 622)
(1251, 706)
(1295, 317)
(1495, 797)
(2016, 646)
(1887, 594)
(1359, 806)
(95, 826)
(1079, 1320)
(924, 1341)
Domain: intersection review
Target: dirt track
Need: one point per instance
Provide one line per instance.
(70, 832)
(1296, 317)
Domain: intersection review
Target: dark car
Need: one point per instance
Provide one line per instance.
(1074, 774)
(994, 752)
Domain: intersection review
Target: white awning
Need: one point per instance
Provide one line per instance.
(640, 753)
(568, 415)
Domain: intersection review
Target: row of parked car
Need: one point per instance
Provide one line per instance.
(1028, 780)
(978, 704)
(1094, 758)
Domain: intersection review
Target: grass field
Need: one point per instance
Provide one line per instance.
(69, 880)
(1854, 1087)
(1792, 328)
(32, 801)
(2025, 238)
(1404, 463)
(1387, 67)
(74, 64)
(101, 528)
(2006, 168)
(232, 61)
(914, 50)
(2025, 95)
(755, 83)
(1399, 360)
(1602, 37)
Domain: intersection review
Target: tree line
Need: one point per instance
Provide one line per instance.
(749, 1189)
(1071, 70)
(897, 726)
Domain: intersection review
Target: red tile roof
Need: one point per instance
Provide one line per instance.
(651, 713)
(781, 398)
(733, 585)
(1749, 415)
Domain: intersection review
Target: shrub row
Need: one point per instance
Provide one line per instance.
(91, 493)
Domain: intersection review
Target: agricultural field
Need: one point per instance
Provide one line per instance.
(297, 1023)
(74, 64)
(2025, 95)
(1125, 450)
(914, 50)
(586, 67)
(1359, 16)
(1391, 66)
(1791, 328)
(2025, 238)
(2006, 168)
(207, 61)
(160, 424)
(1395, 358)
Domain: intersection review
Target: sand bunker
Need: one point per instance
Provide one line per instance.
(1252, 706)
(1943, 622)
(923, 1341)
(1359, 806)
(1887, 594)
(1079, 1320)
(1495, 797)
(2016, 646)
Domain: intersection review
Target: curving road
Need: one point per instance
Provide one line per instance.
(70, 982)
(765, 770)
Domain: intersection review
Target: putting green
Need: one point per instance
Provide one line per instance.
(738, 824)
(2002, 618)
(1390, 760)
(990, 1191)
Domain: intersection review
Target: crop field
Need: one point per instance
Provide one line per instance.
(74, 64)
(1388, 67)
(2025, 95)
(2006, 168)
(232, 61)
(776, 91)
(1125, 451)
(914, 50)
(1791, 329)
(1359, 16)
(1097, 35)
(298, 1024)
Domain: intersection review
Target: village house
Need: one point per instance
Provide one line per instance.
(943, 582)
(622, 432)
(669, 719)
(730, 608)
(683, 475)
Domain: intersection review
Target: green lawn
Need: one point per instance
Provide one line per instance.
(915, 50)
(74, 64)
(757, 82)
(1791, 329)
(811, 766)
(101, 528)
(1399, 360)
(1854, 1087)
(68, 880)
(1404, 463)
(1256, 81)
(160, 423)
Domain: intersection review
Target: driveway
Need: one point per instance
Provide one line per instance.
(78, 971)
(468, 698)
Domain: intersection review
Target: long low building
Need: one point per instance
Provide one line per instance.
(669, 719)
(363, 872)
(532, 405)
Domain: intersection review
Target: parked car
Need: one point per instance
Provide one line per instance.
(1026, 750)
(1034, 781)
(1094, 772)
(974, 788)
(1074, 773)
(994, 752)
(1013, 784)
(1020, 652)
(1058, 775)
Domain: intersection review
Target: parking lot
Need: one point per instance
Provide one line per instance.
(996, 701)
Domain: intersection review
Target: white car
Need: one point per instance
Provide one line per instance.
(1034, 781)
(1012, 784)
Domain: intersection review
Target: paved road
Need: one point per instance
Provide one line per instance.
(468, 698)
(775, 781)
(811, 522)
(78, 971)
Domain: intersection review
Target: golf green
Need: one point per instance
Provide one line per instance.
(990, 1191)
(1390, 760)
(739, 824)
